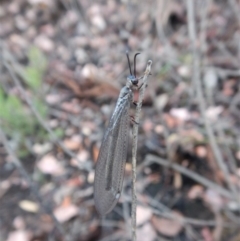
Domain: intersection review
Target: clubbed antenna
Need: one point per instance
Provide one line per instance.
(129, 63)
(135, 57)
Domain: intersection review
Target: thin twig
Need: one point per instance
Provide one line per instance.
(134, 147)
(226, 148)
(162, 210)
(203, 25)
(205, 182)
(202, 105)
(168, 213)
(29, 180)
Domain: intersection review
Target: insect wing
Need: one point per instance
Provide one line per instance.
(111, 161)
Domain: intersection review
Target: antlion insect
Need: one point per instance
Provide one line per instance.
(112, 157)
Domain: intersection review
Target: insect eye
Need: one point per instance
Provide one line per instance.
(133, 79)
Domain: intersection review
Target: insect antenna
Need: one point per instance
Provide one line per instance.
(135, 57)
(129, 63)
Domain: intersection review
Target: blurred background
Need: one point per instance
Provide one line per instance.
(63, 64)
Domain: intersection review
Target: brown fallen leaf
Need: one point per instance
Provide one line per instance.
(44, 43)
(75, 181)
(195, 191)
(95, 152)
(64, 213)
(67, 201)
(71, 107)
(73, 143)
(228, 87)
(82, 157)
(168, 227)
(148, 126)
(170, 121)
(201, 151)
(177, 180)
(50, 165)
(207, 235)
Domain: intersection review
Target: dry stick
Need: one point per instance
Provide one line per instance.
(226, 148)
(187, 172)
(53, 137)
(202, 105)
(162, 210)
(28, 179)
(203, 25)
(193, 175)
(134, 147)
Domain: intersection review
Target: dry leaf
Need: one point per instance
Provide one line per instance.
(148, 126)
(90, 177)
(184, 71)
(146, 231)
(64, 213)
(213, 199)
(40, 149)
(73, 143)
(75, 181)
(67, 201)
(213, 112)
(90, 71)
(19, 235)
(50, 165)
(19, 223)
(228, 87)
(177, 180)
(201, 151)
(207, 235)
(53, 99)
(143, 215)
(168, 227)
(71, 107)
(29, 206)
(44, 43)
(159, 129)
(180, 113)
(170, 121)
(82, 156)
(99, 22)
(195, 191)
